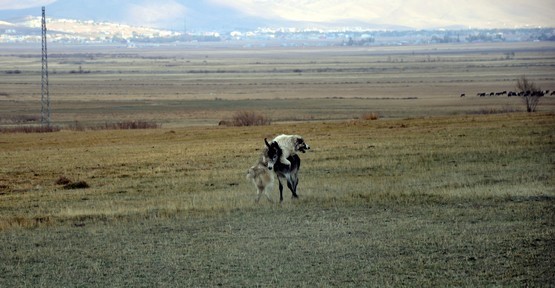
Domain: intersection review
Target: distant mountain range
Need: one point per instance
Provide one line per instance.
(28, 29)
(70, 31)
(226, 15)
(171, 15)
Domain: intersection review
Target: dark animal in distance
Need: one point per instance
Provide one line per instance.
(539, 93)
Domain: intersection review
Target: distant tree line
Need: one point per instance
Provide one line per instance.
(485, 37)
(546, 37)
(359, 42)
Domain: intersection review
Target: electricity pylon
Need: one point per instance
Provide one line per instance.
(45, 96)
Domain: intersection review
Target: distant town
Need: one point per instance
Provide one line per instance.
(67, 31)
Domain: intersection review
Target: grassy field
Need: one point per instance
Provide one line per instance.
(441, 190)
(187, 85)
(442, 201)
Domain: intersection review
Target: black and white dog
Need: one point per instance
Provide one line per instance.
(290, 145)
(288, 174)
(262, 177)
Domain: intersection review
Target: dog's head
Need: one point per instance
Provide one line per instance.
(300, 145)
(273, 153)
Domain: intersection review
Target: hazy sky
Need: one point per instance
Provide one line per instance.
(413, 13)
(22, 4)
(408, 13)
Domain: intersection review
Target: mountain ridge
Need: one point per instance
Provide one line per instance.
(207, 15)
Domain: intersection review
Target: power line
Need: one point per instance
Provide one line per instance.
(45, 95)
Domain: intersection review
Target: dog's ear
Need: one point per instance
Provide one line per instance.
(275, 147)
(266, 141)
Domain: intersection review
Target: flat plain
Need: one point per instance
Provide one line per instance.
(187, 85)
(440, 190)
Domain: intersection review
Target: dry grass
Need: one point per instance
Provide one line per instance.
(126, 125)
(122, 125)
(203, 86)
(439, 191)
(199, 169)
(248, 118)
(370, 116)
(463, 201)
(17, 119)
(29, 129)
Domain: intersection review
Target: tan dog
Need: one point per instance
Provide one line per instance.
(260, 174)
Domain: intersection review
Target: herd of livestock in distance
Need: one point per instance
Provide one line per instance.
(539, 93)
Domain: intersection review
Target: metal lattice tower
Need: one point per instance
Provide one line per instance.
(45, 96)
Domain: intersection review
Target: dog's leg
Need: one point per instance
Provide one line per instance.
(258, 194)
(267, 192)
(291, 175)
(284, 160)
(292, 186)
(280, 191)
(261, 188)
(294, 180)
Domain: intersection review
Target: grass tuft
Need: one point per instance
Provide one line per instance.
(29, 129)
(123, 125)
(370, 116)
(246, 118)
(493, 110)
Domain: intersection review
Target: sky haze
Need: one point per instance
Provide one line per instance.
(377, 14)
